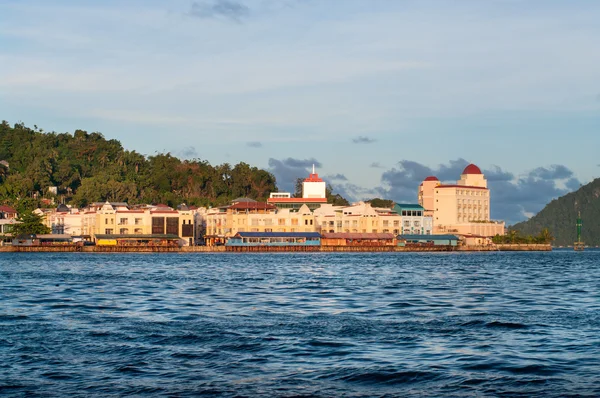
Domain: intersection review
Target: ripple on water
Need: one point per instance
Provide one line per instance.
(364, 324)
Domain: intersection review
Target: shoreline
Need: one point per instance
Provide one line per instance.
(272, 249)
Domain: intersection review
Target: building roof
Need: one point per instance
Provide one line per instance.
(297, 200)
(356, 236)
(278, 235)
(137, 236)
(313, 177)
(238, 200)
(460, 186)
(431, 178)
(62, 208)
(427, 237)
(252, 206)
(7, 209)
(46, 236)
(472, 169)
(409, 206)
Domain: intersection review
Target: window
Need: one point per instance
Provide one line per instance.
(138, 221)
(187, 230)
(173, 225)
(123, 221)
(386, 223)
(294, 221)
(123, 231)
(108, 231)
(396, 223)
(407, 223)
(417, 224)
(281, 221)
(158, 225)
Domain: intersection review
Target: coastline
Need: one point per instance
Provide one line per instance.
(271, 249)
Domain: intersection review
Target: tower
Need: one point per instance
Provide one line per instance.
(579, 245)
(313, 186)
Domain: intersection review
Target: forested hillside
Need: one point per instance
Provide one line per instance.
(560, 217)
(85, 167)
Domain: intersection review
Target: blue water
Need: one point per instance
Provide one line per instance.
(389, 324)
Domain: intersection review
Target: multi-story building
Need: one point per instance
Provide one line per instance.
(463, 207)
(414, 219)
(118, 218)
(247, 215)
(8, 217)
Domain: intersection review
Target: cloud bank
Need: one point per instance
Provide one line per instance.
(227, 9)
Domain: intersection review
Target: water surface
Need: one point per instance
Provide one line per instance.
(324, 324)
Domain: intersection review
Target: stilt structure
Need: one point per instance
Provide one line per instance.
(579, 245)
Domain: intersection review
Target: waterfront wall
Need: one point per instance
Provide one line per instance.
(256, 249)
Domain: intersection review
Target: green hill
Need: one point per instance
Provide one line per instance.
(86, 167)
(560, 217)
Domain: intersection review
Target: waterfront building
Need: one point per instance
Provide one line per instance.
(427, 240)
(247, 215)
(8, 217)
(118, 219)
(414, 219)
(63, 220)
(462, 208)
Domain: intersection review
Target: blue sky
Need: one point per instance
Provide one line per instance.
(376, 93)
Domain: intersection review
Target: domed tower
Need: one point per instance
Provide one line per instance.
(426, 191)
(472, 176)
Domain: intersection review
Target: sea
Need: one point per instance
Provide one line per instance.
(300, 324)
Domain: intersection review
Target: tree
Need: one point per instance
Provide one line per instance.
(377, 202)
(335, 199)
(29, 223)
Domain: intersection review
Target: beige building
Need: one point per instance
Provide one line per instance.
(118, 218)
(247, 215)
(462, 208)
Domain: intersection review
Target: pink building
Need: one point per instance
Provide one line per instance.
(462, 208)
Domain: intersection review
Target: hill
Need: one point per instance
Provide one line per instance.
(560, 217)
(85, 167)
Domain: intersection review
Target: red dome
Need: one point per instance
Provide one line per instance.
(472, 169)
(431, 178)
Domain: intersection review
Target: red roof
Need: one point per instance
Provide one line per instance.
(252, 206)
(313, 178)
(431, 178)
(472, 169)
(7, 209)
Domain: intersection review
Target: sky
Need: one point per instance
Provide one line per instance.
(377, 94)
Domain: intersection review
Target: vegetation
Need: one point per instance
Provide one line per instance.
(29, 223)
(514, 237)
(385, 203)
(86, 167)
(560, 216)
